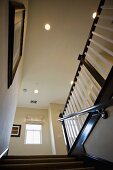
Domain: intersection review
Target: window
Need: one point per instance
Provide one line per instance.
(33, 134)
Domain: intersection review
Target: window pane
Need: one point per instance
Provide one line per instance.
(37, 137)
(29, 137)
(33, 127)
(33, 134)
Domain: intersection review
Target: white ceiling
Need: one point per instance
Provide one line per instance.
(50, 58)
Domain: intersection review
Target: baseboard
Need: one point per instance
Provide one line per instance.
(4, 153)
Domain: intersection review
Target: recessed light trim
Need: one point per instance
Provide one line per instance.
(94, 15)
(36, 91)
(47, 27)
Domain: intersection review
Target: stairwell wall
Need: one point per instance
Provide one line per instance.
(8, 97)
(17, 144)
(100, 142)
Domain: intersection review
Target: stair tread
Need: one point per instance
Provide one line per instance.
(38, 160)
(40, 157)
(71, 158)
(36, 156)
(41, 166)
(50, 163)
(43, 162)
(85, 168)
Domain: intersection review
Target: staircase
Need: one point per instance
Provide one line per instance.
(43, 162)
(92, 88)
(91, 93)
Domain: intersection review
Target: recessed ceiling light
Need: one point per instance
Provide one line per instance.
(35, 91)
(94, 15)
(71, 82)
(47, 27)
(24, 90)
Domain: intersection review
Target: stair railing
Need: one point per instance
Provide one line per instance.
(99, 109)
(96, 109)
(94, 67)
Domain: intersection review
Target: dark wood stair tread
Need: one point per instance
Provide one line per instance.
(42, 162)
(61, 165)
(37, 160)
(36, 156)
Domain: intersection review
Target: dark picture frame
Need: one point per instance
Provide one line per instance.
(16, 130)
(15, 37)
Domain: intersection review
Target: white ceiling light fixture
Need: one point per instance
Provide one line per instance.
(94, 15)
(71, 82)
(36, 91)
(47, 27)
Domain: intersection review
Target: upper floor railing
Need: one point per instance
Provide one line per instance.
(94, 67)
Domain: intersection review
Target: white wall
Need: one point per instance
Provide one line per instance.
(57, 139)
(8, 97)
(17, 144)
(100, 141)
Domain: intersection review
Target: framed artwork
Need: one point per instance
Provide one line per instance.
(16, 131)
(15, 37)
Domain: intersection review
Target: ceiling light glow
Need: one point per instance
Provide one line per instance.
(94, 15)
(47, 27)
(35, 91)
(71, 82)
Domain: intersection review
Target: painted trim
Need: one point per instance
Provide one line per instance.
(3, 153)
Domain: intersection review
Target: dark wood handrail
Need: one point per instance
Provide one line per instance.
(98, 109)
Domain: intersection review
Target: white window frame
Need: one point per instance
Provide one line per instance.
(33, 142)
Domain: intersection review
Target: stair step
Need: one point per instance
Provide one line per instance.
(35, 156)
(36, 160)
(41, 166)
(87, 168)
(42, 162)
